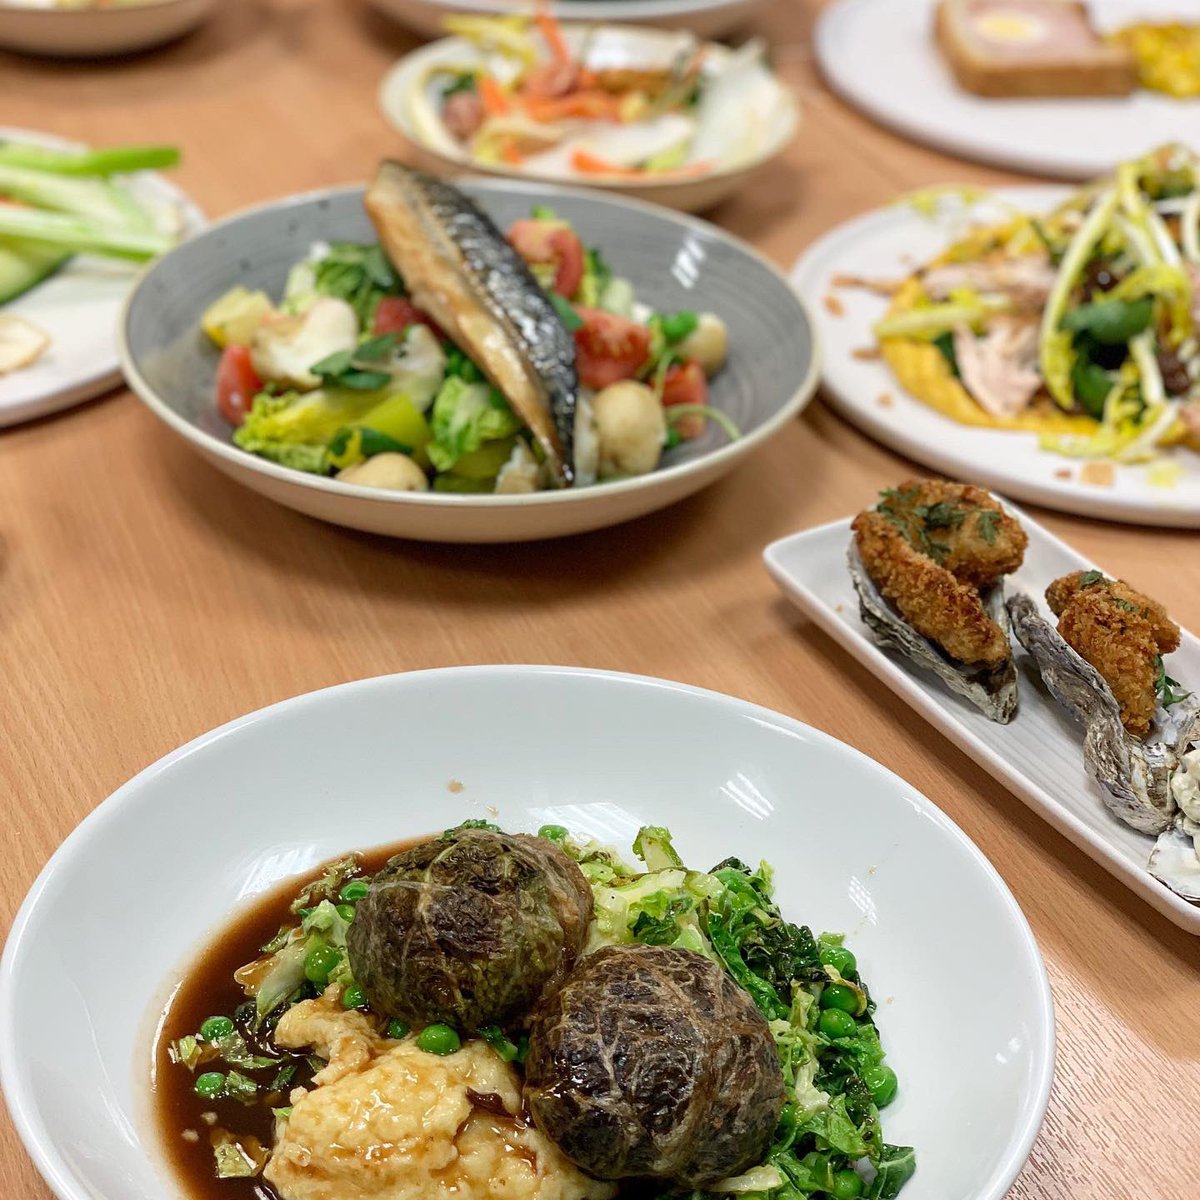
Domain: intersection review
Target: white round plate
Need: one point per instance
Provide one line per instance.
(79, 307)
(155, 869)
(694, 194)
(888, 244)
(707, 18)
(881, 56)
(36, 27)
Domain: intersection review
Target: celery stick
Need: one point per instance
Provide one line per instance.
(74, 233)
(115, 161)
(92, 199)
(23, 265)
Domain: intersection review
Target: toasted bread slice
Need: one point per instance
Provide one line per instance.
(1010, 48)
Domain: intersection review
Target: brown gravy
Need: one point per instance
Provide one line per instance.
(207, 990)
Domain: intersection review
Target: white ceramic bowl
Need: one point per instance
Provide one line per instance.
(690, 195)
(707, 18)
(134, 892)
(97, 32)
(673, 262)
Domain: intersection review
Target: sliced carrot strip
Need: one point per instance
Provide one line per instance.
(552, 32)
(496, 102)
(510, 154)
(587, 163)
(595, 105)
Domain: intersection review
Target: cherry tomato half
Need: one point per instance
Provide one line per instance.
(609, 348)
(394, 314)
(237, 384)
(685, 384)
(551, 243)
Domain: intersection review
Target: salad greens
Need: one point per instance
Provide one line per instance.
(1082, 326)
(809, 990)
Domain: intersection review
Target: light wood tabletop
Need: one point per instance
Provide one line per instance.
(145, 598)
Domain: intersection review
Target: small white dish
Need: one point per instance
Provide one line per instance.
(881, 56)
(271, 795)
(39, 27)
(402, 87)
(1039, 756)
(79, 307)
(888, 244)
(706, 18)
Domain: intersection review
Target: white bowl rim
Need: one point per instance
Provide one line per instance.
(647, 8)
(614, 183)
(94, 11)
(729, 452)
(13, 1084)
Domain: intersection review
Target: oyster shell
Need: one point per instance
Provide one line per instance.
(1135, 775)
(1174, 860)
(992, 690)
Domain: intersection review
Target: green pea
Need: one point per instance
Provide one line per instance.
(553, 833)
(834, 1023)
(677, 326)
(354, 891)
(396, 1029)
(841, 960)
(321, 962)
(847, 1185)
(210, 1085)
(837, 995)
(354, 997)
(215, 1028)
(883, 1084)
(346, 912)
(438, 1039)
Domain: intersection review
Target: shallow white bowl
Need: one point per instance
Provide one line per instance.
(134, 892)
(689, 195)
(674, 262)
(97, 32)
(707, 18)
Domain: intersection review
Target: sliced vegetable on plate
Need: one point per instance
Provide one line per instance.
(74, 224)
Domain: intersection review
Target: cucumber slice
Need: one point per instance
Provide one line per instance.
(23, 265)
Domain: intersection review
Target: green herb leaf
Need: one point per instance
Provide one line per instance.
(1111, 322)
(240, 1087)
(1091, 578)
(987, 521)
(566, 314)
(1169, 690)
(895, 1168)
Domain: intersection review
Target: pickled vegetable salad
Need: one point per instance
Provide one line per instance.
(830, 1139)
(1081, 325)
(344, 375)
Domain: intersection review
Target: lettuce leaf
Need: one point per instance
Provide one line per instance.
(465, 415)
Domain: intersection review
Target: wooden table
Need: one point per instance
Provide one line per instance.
(144, 598)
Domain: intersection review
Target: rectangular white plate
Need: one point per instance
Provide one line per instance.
(1039, 756)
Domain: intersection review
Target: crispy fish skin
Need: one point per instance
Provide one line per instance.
(1120, 644)
(459, 268)
(935, 603)
(1063, 591)
(971, 534)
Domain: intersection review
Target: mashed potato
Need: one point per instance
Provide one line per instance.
(390, 1122)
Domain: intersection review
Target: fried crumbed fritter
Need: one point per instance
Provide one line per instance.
(1120, 643)
(959, 526)
(936, 604)
(1062, 591)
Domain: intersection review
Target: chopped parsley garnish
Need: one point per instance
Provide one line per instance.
(1091, 578)
(988, 524)
(1169, 690)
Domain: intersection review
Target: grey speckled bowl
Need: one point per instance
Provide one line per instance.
(674, 262)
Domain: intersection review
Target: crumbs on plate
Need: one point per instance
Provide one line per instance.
(834, 306)
(1098, 474)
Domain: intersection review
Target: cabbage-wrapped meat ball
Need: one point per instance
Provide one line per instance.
(650, 1061)
(469, 928)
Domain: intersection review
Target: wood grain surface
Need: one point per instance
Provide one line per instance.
(144, 598)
